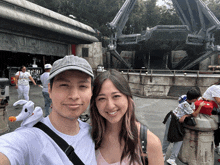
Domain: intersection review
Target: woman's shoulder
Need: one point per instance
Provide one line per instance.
(27, 73)
(152, 139)
(17, 73)
(154, 149)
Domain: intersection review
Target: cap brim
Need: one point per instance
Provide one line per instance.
(55, 73)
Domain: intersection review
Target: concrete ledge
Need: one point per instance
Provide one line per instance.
(159, 85)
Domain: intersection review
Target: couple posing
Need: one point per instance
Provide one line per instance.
(115, 131)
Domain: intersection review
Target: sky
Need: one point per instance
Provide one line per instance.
(161, 2)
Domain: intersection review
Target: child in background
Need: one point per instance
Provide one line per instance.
(185, 109)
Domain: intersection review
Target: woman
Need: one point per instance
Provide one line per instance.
(22, 83)
(115, 128)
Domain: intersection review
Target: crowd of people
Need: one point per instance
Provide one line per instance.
(114, 136)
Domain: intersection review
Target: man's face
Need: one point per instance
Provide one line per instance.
(71, 93)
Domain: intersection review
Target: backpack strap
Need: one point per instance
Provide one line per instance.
(143, 138)
(143, 135)
(67, 149)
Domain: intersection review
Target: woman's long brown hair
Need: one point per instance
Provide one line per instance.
(130, 133)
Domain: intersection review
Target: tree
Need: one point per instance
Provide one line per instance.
(96, 13)
(49, 4)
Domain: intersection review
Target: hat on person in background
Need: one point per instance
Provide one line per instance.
(47, 66)
(70, 62)
(182, 99)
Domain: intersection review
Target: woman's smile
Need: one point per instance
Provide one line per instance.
(112, 113)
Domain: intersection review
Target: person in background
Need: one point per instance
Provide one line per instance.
(115, 129)
(185, 109)
(45, 82)
(70, 90)
(22, 83)
(213, 94)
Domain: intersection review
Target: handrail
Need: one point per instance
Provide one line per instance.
(172, 72)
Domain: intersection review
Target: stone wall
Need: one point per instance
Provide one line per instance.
(159, 85)
(24, 44)
(94, 54)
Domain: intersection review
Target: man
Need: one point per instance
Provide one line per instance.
(45, 82)
(70, 90)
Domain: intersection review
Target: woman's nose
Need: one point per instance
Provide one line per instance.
(110, 104)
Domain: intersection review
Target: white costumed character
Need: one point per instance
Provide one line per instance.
(28, 114)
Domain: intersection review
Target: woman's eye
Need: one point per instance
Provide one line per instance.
(83, 86)
(116, 96)
(100, 99)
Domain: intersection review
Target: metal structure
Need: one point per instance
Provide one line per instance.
(195, 36)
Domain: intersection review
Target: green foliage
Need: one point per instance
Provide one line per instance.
(49, 4)
(96, 13)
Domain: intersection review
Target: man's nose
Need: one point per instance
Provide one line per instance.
(73, 93)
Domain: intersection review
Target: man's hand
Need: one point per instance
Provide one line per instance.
(16, 86)
(4, 160)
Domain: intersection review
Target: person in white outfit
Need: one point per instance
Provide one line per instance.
(22, 83)
(45, 81)
(213, 94)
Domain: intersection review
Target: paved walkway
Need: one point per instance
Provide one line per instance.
(150, 112)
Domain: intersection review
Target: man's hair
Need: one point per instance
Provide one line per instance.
(51, 83)
(129, 131)
(193, 94)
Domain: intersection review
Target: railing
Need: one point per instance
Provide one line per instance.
(160, 72)
(169, 72)
(157, 83)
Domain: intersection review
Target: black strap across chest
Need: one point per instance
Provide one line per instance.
(67, 149)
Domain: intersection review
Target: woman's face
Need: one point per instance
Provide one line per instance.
(111, 103)
(23, 69)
